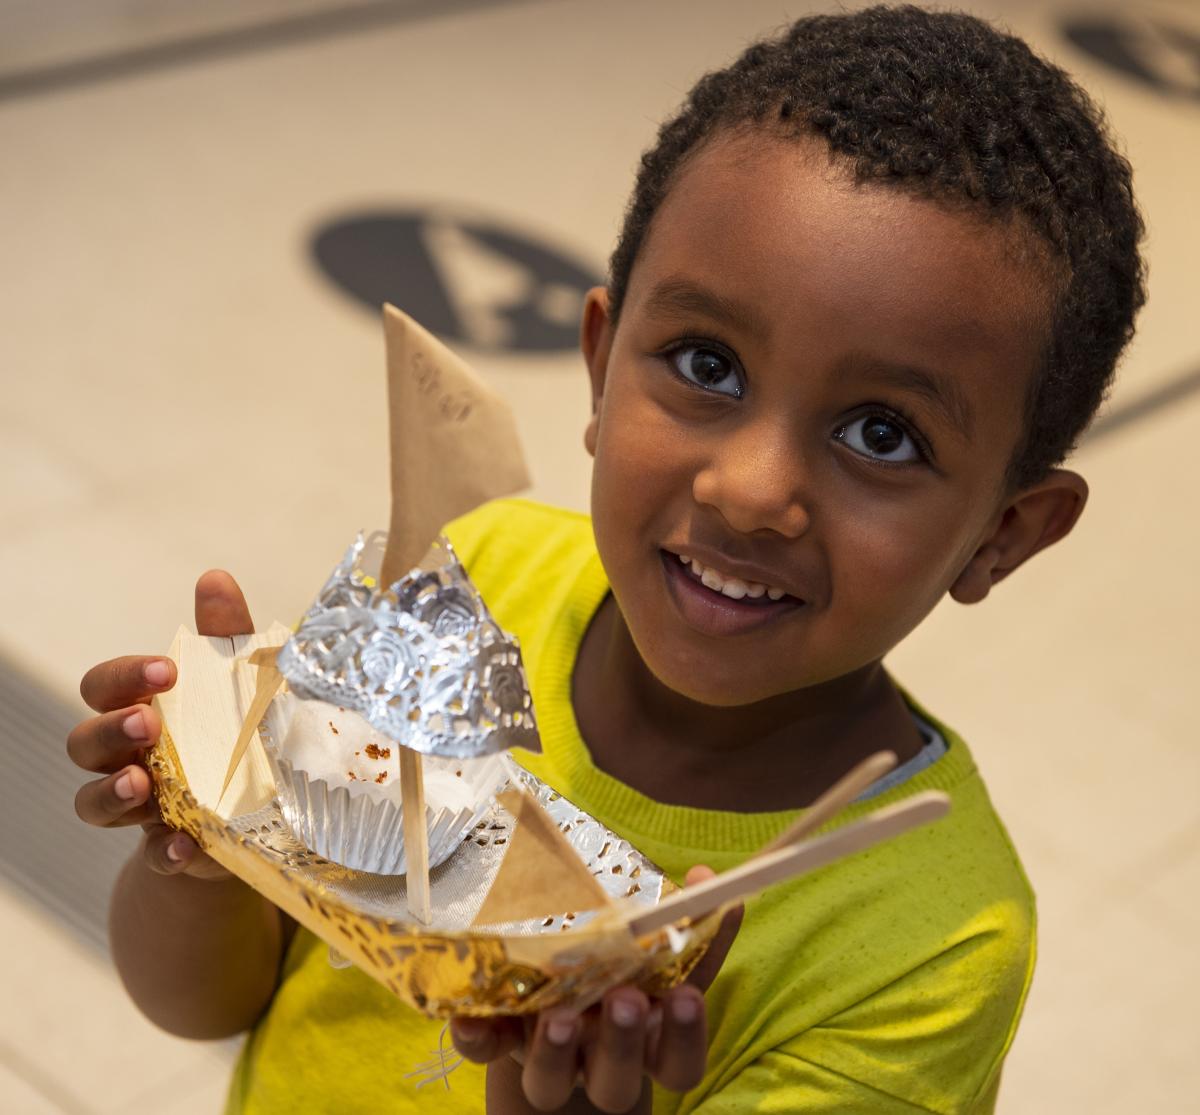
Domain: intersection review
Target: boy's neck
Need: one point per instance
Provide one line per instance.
(776, 754)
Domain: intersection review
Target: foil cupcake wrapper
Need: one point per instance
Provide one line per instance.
(421, 660)
(365, 831)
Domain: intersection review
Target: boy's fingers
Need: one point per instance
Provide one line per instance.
(169, 852)
(551, 1060)
(682, 1048)
(165, 850)
(710, 963)
(126, 681)
(616, 1060)
(220, 606)
(220, 610)
(485, 1039)
(120, 799)
(109, 742)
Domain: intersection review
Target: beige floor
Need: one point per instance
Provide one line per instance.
(168, 349)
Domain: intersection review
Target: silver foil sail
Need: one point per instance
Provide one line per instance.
(421, 660)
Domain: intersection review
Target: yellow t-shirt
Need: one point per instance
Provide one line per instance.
(889, 982)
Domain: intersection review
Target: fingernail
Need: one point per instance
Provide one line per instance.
(625, 1014)
(124, 787)
(468, 1029)
(560, 1031)
(685, 1009)
(156, 673)
(134, 726)
(175, 849)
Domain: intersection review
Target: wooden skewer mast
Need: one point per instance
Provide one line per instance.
(416, 835)
(454, 445)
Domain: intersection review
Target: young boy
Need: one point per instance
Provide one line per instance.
(872, 285)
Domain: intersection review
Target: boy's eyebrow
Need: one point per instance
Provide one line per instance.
(943, 394)
(679, 297)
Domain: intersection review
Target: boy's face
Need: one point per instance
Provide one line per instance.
(814, 387)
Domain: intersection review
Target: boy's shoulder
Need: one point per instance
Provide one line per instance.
(511, 546)
(515, 526)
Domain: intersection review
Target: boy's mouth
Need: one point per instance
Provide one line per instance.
(750, 592)
(718, 603)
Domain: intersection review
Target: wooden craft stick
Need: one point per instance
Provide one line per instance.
(834, 800)
(416, 835)
(266, 685)
(786, 863)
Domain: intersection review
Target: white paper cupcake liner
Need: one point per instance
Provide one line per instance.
(365, 831)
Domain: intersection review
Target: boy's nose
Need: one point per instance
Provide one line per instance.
(756, 484)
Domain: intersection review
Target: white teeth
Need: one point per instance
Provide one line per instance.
(733, 587)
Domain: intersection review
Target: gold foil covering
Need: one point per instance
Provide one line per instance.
(447, 969)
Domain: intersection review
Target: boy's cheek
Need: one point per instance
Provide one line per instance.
(640, 461)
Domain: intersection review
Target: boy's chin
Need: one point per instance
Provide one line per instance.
(722, 688)
(736, 683)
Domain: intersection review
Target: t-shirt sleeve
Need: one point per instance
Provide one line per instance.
(780, 1082)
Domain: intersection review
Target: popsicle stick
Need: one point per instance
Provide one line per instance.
(416, 835)
(834, 800)
(786, 863)
(266, 685)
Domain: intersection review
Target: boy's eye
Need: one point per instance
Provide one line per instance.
(708, 368)
(879, 437)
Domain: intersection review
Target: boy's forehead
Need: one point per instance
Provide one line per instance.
(780, 229)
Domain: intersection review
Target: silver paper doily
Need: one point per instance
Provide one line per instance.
(421, 660)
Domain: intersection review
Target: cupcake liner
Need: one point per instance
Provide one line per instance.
(365, 831)
(422, 664)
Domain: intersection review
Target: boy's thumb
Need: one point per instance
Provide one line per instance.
(710, 963)
(220, 606)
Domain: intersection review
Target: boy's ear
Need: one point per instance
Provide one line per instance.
(595, 340)
(1036, 517)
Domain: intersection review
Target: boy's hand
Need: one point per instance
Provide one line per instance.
(112, 743)
(609, 1050)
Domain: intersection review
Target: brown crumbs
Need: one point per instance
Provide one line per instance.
(381, 777)
(352, 776)
(374, 751)
(333, 729)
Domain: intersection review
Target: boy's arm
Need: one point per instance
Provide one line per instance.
(197, 949)
(200, 957)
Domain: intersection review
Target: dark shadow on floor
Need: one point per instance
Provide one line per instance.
(293, 30)
(46, 853)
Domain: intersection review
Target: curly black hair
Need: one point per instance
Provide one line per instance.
(947, 106)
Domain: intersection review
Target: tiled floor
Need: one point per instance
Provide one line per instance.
(71, 1042)
(169, 349)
